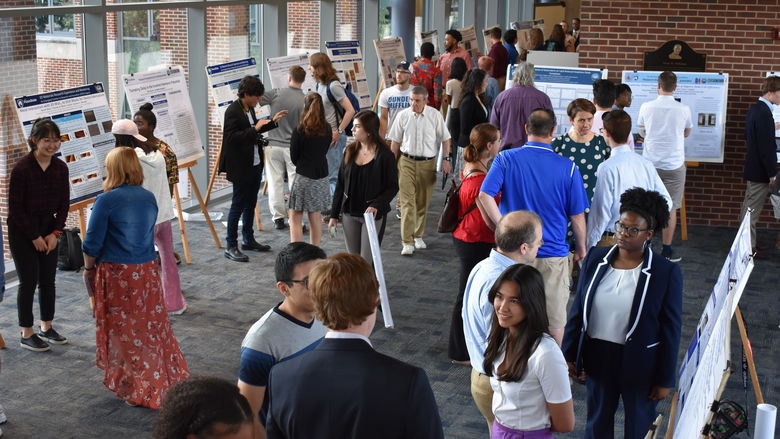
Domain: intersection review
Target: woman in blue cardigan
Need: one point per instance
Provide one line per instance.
(623, 332)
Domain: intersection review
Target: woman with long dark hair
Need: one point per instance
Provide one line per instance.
(367, 182)
(453, 93)
(557, 40)
(623, 332)
(38, 202)
(309, 146)
(531, 393)
(135, 345)
(472, 109)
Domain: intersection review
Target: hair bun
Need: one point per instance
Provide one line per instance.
(147, 106)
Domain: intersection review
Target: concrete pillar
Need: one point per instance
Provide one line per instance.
(402, 23)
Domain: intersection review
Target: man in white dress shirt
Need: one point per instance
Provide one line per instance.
(416, 134)
(665, 123)
(624, 170)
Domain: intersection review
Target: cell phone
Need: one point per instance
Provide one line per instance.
(332, 231)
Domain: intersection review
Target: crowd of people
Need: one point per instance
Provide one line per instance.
(532, 206)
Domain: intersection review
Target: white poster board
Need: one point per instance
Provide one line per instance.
(709, 350)
(432, 36)
(223, 82)
(563, 85)
(84, 119)
(470, 42)
(347, 59)
(279, 70)
(556, 59)
(704, 93)
(376, 257)
(390, 52)
(166, 90)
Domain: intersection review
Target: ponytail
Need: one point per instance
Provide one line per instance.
(480, 138)
(471, 153)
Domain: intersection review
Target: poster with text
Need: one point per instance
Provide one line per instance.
(704, 93)
(563, 85)
(486, 36)
(166, 90)
(432, 36)
(390, 52)
(469, 42)
(347, 59)
(279, 70)
(84, 119)
(223, 82)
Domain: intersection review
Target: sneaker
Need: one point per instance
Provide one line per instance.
(398, 213)
(671, 256)
(407, 250)
(419, 243)
(279, 224)
(3, 419)
(34, 343)
(304, 229)
(52, 336)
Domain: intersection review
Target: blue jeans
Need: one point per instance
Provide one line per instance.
(242, 206)
(335, 156)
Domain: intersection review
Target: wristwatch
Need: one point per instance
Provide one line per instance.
(447, 159)
(340, 131)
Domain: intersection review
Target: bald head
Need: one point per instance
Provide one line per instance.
(485, 63)
(519, 232)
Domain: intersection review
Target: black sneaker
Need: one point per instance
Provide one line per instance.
(305, 229)
(279, 224)
(398, 213)
(52, 336)
(255, 246)
(34, 343)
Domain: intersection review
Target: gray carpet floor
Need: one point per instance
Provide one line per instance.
(59, 394)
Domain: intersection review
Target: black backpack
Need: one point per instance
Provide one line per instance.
(69, 255)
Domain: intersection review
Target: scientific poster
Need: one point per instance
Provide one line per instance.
(390, 52)
(704, 93)
(347, 59)
(166, 90)
(563, 85)
(279, 69)
(470, 42)
(84, 118)
(432, 37)
(223, 82)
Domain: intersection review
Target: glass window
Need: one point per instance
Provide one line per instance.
(303, 27)
(348, 19)
(385, 12)
(59, 25)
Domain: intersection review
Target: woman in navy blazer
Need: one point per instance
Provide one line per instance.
(623, 332)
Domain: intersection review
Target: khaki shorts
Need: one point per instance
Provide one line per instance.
(674, 181)
(556, 274)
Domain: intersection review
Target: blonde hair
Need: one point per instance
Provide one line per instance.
(122, 167)
(344, 291)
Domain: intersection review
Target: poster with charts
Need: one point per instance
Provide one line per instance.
(432, 37)
(347, 59)
(84, 119)
(470, 42)
(223, 82)
(390, 52)
(279, 70)
(563, 85)
(704, 93)
(166, 89)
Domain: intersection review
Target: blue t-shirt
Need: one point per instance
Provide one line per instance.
(537, 179)
(276, 337)
(512, 52)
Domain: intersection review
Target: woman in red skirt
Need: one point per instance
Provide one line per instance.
(135, 344)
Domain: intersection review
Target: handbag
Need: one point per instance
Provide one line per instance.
(449, 219)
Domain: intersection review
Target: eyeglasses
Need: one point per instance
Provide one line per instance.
(304, 281)
(632, 232)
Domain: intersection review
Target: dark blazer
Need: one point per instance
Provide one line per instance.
(471, 114)
(239, 139)
(344, 389)
(653, 338)
(381, 189)
(760, 160)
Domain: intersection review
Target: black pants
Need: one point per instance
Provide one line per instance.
(469, 253)
(242, 206)
(35, 269)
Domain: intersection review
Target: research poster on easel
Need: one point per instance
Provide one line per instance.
(390, 52)
(563, 85)
(432, 36)
(347, 59)
(704, 93)
(470, 42)
(166, 89)
(223, 82)
(279, 70)
(84, 119)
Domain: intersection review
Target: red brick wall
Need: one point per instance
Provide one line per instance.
(303, 25)
(735, 35)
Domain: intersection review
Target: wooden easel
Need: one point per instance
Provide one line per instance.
(213, 177)
(683, 215)
(81, 207)
(379, 92)
(184, 241)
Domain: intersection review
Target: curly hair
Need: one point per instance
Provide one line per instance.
(196, 405)
(650, 205)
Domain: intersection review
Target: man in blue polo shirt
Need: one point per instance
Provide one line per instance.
(287, 330)
(537, 179)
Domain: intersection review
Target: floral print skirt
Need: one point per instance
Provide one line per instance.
(135, 346)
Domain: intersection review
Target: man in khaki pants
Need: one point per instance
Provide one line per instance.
(416, 134)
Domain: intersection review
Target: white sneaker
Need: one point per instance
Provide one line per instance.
(419, 243)
(3, 419)
(407, 250)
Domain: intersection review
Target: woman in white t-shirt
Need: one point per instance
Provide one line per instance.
(528, 374)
